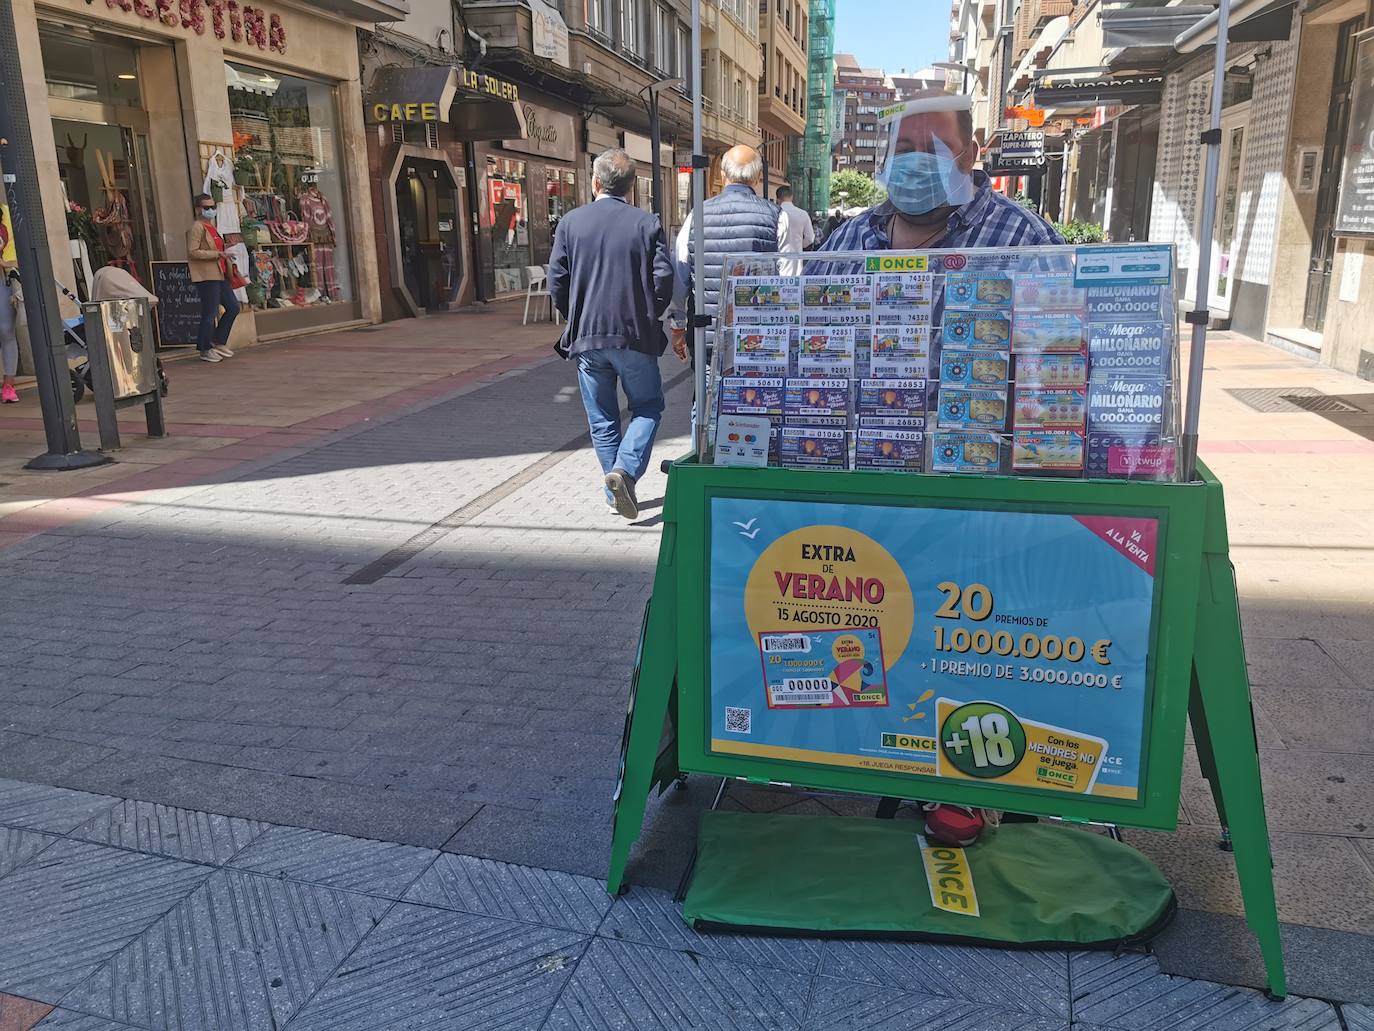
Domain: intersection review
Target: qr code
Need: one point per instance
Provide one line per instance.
(737, 720)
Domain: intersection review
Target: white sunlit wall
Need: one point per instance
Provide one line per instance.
(1178, 170)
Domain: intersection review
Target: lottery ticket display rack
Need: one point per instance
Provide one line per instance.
(1026, 643)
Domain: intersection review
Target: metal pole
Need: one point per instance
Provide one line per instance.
(698, 238)
(656, 141)
(35, 264)
(1199, 316)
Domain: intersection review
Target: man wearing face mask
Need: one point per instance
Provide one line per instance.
(935, 197)
(937, 200)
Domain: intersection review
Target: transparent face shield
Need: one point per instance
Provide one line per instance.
(927, 161)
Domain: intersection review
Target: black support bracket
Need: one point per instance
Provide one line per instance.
(1198, 318)
(1209, 137)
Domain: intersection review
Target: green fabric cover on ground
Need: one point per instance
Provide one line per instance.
(1035, 883)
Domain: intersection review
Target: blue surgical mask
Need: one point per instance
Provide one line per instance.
(918, 181)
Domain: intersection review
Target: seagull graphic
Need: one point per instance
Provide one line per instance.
(746, 531)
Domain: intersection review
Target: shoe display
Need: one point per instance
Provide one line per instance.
(622, 489)
(8, 395)
(953, 825)
(210, 356)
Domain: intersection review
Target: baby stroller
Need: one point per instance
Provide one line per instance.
(109, 284)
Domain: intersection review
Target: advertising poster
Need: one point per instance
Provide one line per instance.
(1008, 648)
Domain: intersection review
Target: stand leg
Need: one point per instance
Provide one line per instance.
(1206, 758)
(1224, 727)
(644, 731)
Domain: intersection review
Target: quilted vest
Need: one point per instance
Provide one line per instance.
(738, 221)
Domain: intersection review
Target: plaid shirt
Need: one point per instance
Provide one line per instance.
(989, 220)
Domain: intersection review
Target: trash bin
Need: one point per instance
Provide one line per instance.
(119, 337)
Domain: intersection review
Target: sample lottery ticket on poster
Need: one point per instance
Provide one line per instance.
(899, 352)
(825, 351)
(765, 300)
(902, 298)
(837, 300)
(824, 669)
(974, 368)
(965, 408)
(879, 400)
(1021, 662)
(1051, 370)
(1049, 408)
(987, 330)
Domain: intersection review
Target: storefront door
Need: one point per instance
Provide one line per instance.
(427, 215)
(1225, 238)
(101, 131)
(1328, 188)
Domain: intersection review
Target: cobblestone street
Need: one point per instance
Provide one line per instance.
(310, 716)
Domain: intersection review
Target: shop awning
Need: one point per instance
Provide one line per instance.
(1251, 21)
(1149, 26)
(371, 11)
(433, 93)
(1090, 92)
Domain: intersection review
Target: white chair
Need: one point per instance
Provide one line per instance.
(539, 287)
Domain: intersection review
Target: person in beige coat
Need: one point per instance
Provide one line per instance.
(210, 272)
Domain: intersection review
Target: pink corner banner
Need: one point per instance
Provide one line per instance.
(1133, 536)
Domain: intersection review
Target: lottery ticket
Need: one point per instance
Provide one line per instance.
(1048, 293)
(826, 351)
(984, 329)
(747, 395)
(814, 447)
(954, 452)
(1049, 451)
(1048, 333)
(1049, 408)
(1133, 348)
(817, 402)
(900, 352)
(966, 408)
(978, 290)
(765, 300)
(1131, 405)
(837, 300)
(880, 400)
(889, 449)
(902, 298)
(1051, 370)
(974, 368)
(762, 350)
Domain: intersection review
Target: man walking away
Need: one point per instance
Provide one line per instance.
(737, 220)
(611, 277)
(797, 231)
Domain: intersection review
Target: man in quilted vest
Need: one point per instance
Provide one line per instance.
(737, 220)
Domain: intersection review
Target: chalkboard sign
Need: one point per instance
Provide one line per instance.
(178, 303)
(1355, 212)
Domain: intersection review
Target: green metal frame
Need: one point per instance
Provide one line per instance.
(1195, 602)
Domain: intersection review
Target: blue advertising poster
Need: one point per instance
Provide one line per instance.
(1008, 648)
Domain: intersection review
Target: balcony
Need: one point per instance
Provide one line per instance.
(1031, 17)
(778, 115)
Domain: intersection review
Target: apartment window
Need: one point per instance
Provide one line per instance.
(598, 16)
(629, 27)
(763, 54)
(664, 44)
(726, 83)
(684, 48)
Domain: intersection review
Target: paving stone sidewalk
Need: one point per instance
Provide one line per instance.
(122, 915)
(417, 625)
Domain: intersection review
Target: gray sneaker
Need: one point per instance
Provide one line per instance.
(622, 489)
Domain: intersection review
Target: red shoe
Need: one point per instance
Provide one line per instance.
(8, 395)
(953, 825)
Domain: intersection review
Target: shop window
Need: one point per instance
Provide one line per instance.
(289, 209)
(83, 65)
(505, 222)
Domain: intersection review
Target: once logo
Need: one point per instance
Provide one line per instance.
(955, 261)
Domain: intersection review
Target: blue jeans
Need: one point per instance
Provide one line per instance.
(215, 295)
(637, 372)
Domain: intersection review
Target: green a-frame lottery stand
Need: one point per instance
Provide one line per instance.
(1129, 576)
